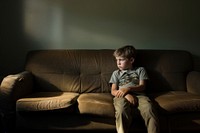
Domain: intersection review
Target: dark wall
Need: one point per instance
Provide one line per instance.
(96, 24)
(11, 36)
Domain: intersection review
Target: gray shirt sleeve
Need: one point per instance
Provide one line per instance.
(142, 73)
(114, 78)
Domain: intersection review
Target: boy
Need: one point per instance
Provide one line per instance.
(128, 85)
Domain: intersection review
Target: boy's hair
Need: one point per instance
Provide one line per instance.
(127, 51)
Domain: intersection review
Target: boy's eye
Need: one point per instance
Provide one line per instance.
(120, 59)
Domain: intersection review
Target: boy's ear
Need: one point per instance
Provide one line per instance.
(132, 60)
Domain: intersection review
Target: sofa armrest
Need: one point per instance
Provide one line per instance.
(14, 87)
(193, 82)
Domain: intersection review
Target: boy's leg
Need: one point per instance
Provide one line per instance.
(148, 114)
(123, 114)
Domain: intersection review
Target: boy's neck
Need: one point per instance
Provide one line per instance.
(131, 68)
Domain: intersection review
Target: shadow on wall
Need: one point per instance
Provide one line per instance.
(14, 47)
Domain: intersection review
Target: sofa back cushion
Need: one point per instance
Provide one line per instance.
(167, 69)
(71, 70)
(90, 70)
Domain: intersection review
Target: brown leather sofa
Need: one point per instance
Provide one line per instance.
(68, 90)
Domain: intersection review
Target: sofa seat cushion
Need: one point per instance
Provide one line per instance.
(100, 104)
(43, 101)
(178, 101)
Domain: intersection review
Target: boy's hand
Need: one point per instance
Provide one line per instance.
(121, 92)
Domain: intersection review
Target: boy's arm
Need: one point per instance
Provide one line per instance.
(115, 92)
(138, 88)
(113, 89)
(119, 93)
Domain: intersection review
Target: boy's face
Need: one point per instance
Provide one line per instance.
(124, 63)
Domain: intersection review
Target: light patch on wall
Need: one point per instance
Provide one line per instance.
(49, 25)
(56, 35)
(43, 23)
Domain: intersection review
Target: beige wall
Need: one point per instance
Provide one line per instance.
(96, 24)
